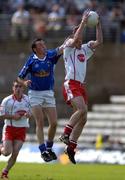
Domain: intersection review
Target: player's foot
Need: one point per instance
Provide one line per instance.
(52, 154)
(64, 138)
(71, 154)
(46, 157)
(4, 174)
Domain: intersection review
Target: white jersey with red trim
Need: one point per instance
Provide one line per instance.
(12, 106)
(75, 61)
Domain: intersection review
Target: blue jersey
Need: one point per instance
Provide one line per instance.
(40, 72)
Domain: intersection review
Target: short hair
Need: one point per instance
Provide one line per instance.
(16, 81)
(19, 83)
(33, 45)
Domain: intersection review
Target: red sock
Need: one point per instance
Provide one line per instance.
(5, 171)
(68, 129)
(72, 145)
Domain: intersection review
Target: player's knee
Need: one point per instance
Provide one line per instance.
(6, 152)
(82, 112)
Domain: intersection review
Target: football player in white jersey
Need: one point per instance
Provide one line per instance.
(15, 111)
(75, 57)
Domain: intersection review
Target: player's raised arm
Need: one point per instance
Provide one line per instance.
(99, 36)
(78, 32)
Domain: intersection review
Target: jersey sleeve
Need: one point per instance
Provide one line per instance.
(3, 107)
(57, 58)
(88, 51)
(67, 43)
(54, 55)
(26, 68)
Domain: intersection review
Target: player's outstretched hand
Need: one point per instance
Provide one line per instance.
(85, 15)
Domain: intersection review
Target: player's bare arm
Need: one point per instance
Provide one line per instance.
(79, 32)
(11, 117)
(99, 37)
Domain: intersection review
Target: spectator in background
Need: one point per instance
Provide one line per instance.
(103, 12)
(55, 18)
(37, 3)
(39, 22)
(72, 16)
(107, 142)
(15, 110)
(20, 23)
(93, 5)
(115, 17)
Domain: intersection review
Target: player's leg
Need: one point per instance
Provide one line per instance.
(36, 101)
(74, 94)
(7, 139)
(17, 144)
(77, 122)
(7, 147)
(52, 119)
(39, 119)
(77, 130)
(78, 105)
(49, 106)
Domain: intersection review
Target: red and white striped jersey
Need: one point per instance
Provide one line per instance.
(12, 106)
(75, 61)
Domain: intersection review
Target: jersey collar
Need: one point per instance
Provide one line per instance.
(16, 99)
(35, 57)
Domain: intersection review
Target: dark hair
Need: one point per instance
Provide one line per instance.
(33, 45)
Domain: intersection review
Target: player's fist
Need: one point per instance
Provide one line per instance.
(85, 15)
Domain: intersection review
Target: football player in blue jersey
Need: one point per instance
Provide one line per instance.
(40, 67)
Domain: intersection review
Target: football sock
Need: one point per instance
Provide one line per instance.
(72, 145)
(49, 145)
(42, 148)
(5, 171)
(68, 129)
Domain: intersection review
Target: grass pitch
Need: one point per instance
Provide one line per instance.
(33, 171)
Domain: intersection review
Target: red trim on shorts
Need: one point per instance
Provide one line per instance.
(72, 89)
(14, 133)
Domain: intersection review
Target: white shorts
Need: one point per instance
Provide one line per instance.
(42, 98)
